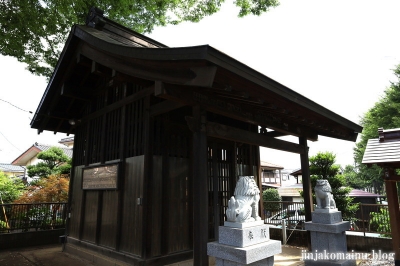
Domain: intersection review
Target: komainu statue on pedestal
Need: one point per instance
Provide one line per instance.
(323, 195)
(243, 206)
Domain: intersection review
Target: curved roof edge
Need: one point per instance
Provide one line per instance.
(205, 52)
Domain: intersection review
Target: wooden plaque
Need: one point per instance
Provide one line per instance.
(101, 177)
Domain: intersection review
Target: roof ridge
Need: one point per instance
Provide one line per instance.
(51, 145)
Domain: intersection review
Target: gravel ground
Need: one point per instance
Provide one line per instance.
(379, 262)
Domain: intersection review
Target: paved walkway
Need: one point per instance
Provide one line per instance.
(53, 255)
(290, 256)
(39, 256)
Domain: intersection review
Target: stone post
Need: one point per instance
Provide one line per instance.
(244, 246)
(328, 231)
(244, 238)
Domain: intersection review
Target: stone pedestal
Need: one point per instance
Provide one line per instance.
(244, 245)
(328, 239)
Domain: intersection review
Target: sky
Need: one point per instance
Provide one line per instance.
(340, 54)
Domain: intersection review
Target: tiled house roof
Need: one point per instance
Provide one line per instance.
(271, 166)
(66, 141)
(32, 152)
(6, 167)
(45, 147)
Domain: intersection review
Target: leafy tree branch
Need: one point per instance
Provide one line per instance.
(34, 32)
(54, 161)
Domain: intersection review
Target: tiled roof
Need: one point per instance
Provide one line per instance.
(296, 172)
(271, 185)
(30, 153)
(6, 167)
(362, 194)
(265, 164)
(64, 140)
(45, 147)
(293, 191)
(382, 152)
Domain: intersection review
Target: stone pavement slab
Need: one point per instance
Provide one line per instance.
(52, 255)
(49, 255)
(290, 256)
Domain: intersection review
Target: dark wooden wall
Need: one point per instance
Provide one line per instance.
(132, 213)
(156, 159)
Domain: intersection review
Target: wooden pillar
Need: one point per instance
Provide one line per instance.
(121, 186)
(394, 213)
(259, 182)
(200, 189)
(307, 192)
(147, 177)
(215, 189)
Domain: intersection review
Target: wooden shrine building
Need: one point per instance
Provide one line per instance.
(384, 151)
(161, 136)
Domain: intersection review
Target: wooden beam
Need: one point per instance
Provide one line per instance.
(55, 99)
(259, 181)
(307, 192)
(148, 175)
(220, 131)
(219, 105)
(164, 107)
(274, 134)
(127, 100)
(393, 177)
(393, 206)
(121, 156)
(200, 189)
(61, 122)
(72, 92)
(215, 181)
(195, 76)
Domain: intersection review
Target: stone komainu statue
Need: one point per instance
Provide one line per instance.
(323, 194)
(243, 206)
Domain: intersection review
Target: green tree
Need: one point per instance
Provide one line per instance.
(386, 114)
(10, 188)
(54, 162)
(271, 194)
(322, 166)
(351, 176)
(35, 31)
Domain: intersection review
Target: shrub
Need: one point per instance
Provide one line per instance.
(271, 194)
(380, 222)
(3, 225)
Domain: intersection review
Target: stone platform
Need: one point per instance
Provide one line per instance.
(244, 246)
(328, 236)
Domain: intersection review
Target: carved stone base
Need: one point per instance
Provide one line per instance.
(246, 255)
(328, 236)
(265, 262)
(244, 246)
(243, 225)
(243, 237)
(326, 216)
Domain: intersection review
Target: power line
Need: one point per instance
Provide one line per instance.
(16, 106)
(9, 141)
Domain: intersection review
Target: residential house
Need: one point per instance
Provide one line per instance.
(69, 142)
(292, 193)
(274, 176)
(271, 175)
(29, 157)
(12, 170)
